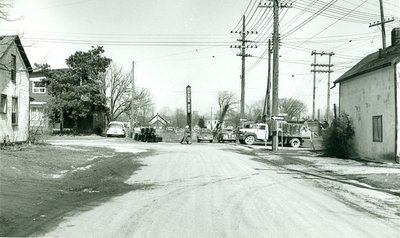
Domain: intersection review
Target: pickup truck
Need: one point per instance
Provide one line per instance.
(290, 133)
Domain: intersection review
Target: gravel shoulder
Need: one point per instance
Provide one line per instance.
(370, 186)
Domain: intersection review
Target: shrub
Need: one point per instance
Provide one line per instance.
(338, 138)
(38, 135)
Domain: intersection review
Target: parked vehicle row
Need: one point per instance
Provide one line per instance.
(289, 133)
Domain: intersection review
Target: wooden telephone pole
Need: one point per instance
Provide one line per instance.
(329, 71)
(382, 24)
(267, 101)
(243, 46)
(275, 69)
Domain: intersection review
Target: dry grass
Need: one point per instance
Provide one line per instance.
(40, 184)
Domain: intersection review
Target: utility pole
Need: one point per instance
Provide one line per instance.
(267, 101)
(328, 100)
(243, 54)
(329, 71)
(243, 78)
(275, 69)
(211, 118)
(314, 85)
(382, 24)
(132, 94)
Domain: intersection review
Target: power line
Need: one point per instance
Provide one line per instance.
(240, 19)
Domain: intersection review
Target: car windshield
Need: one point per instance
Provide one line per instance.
(116, 126)
(205, 131)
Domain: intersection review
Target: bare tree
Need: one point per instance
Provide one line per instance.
(116, 86)
(292, 107)
(226, 98)
(5, 5)
(254, 110)
(143, 105)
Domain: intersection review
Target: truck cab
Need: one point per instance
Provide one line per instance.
(253, 132)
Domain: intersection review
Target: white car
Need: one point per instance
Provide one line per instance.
(116, 128)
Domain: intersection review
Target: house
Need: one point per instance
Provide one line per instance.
(38, 91)
(369, 93)
(14, 90)
(158, 122)
(39, 117)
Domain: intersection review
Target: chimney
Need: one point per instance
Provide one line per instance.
(395, 36)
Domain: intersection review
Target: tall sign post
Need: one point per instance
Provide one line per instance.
(189, 106)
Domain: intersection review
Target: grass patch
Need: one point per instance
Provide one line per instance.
(39, 185)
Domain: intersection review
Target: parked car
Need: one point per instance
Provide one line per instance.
(227, 134)
(205, 135)
(116, 128)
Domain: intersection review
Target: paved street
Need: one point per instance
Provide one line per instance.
(205, 190)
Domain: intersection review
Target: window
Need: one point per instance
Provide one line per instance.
(13, 68)
(38, 87)
(14, 112)
(3, 103)
(377, 130)
(261, 127)
(37, 116)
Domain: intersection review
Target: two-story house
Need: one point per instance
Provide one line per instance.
(14, 90)
(38, 91)
(39, 114)
(369, 93)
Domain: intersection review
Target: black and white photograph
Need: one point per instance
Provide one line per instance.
(200, 118)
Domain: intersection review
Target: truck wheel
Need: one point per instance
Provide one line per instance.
(295, 143)
(249, 140)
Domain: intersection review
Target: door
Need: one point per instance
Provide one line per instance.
(262, 132)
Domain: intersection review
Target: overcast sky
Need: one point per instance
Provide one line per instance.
(176, 43)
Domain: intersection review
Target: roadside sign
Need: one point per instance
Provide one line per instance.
(189, 106)
(278, 118)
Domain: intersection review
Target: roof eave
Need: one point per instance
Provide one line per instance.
(339, 80)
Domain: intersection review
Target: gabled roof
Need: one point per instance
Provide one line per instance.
(372, 62)
(38, 73)
(6, 42)
(158, 118)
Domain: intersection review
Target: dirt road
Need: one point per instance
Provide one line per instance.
(206, 190)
